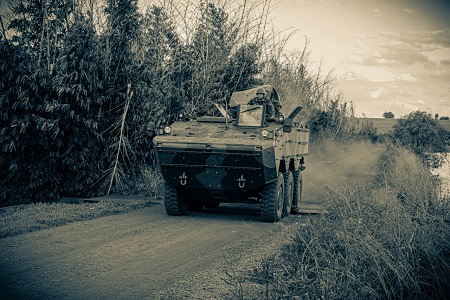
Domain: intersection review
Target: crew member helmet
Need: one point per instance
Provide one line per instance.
(260, 91)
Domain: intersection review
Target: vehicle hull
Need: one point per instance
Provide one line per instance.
(216, 166)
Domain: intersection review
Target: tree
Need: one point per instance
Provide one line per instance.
(31, 138)
(28, 131)
(209, 53)
(78, 82)
(242, 68)
(444, 118)
(421, 133)
(120, 65)
(388, 115)
(40, 26)
(156, 96)
(320, 123)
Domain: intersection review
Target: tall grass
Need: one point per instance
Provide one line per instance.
(147, 182)
(388, 239)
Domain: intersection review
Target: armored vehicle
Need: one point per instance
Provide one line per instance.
(245, 157)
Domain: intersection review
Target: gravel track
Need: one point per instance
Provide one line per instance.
(137, 255)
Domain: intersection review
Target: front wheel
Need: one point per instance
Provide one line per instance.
(272, 198)
(288, 193)
(174, 203)
(298, 189)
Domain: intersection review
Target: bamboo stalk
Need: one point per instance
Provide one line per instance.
(121, 141)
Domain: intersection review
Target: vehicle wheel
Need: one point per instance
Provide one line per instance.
(174, 203)
(196, 205)
(288, 193)
(272, 198)
(298, 188)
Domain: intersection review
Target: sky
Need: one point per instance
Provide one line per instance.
(387, 55)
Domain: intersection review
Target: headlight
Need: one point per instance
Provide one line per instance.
(264, 133)
(167, 129)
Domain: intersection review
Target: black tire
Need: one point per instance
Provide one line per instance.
(272, 198)
(298, 190)
(174, 203)
(288, 193)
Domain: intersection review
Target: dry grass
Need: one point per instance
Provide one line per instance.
(148, 182)
(26, 218)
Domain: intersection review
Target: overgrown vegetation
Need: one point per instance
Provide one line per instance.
(382, 239)
(423, 135)
(81, 81)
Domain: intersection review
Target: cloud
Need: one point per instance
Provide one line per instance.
(375, 94)
(442, 75)
(394, 53)
(417, 101)
(355, 58)
(390, 34)
(401, 48)
(424, 37)
(361, 35)
(376, 12)
(407, 105)
(349, 76)
(373, 74)
(333, 2)
(406, 77)
(403, 53)
(441, 37)
(409, 11)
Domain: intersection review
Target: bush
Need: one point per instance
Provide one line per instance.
(422, 134)
(388, 115)
(338, 122)
(147, 182)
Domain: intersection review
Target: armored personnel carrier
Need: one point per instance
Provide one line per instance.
(228, 159)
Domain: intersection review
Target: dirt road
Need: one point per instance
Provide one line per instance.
(129, 256)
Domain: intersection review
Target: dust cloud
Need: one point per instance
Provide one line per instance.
(332, 167)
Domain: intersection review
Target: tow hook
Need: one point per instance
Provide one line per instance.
(242, 181)
(183, 178)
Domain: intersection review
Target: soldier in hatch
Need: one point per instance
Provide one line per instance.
(261, 99)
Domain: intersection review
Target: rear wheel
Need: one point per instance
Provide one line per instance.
(272, 198)
(297, 195)
(288, 193)
(174, 202)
